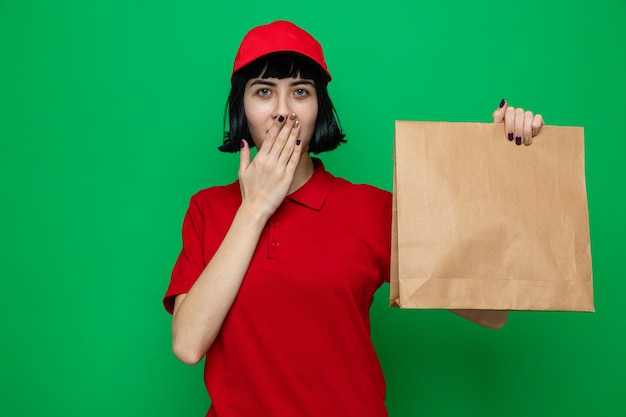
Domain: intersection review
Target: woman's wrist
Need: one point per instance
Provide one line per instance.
(252, 214)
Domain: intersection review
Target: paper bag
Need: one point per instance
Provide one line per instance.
(480, 223)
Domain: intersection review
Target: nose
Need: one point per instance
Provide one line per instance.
(282, 105)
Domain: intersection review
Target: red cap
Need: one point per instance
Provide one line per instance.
(279, 36)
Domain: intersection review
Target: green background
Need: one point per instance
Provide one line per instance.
(110, 114)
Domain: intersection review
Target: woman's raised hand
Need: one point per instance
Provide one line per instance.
(519, 125)
(265, 181)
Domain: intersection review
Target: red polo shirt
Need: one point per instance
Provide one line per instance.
(296, 341)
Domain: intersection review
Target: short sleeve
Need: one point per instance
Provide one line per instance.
(190, 262)
(385, 239)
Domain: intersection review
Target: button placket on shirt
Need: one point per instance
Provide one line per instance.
(274, 235)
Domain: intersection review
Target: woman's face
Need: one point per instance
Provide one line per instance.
(265, 99)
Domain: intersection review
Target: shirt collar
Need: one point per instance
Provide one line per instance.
(314, 192)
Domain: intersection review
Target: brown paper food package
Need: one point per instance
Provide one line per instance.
(480, 223)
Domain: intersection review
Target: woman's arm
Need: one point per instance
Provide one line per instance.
(199, 314)
(493, 319)
(519, 126)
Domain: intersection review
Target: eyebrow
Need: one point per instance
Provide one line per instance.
(263, 81)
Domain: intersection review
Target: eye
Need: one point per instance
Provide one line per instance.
(263, 91)
(301, 92)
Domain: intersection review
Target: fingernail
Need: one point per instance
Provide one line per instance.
(296, 123)
(298, 141)
(292, 116)
(510, 136)
(502, 103)
(526, 141)
(241, 143)
(518, 140)
(281, 118)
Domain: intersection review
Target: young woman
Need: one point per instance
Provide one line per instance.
(278, 270)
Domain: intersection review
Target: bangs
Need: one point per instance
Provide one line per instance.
(285, 65)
